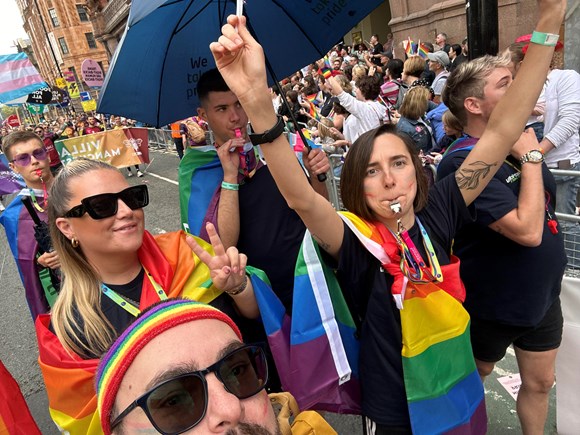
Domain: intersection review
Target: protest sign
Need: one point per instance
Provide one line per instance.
(92, 73)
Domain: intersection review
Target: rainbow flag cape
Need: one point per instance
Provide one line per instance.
(422, 50)
(444, 390)
(315, 350)
(18, 77)
(19, 228)
(15, 417)
(200, 175)
(69, 379)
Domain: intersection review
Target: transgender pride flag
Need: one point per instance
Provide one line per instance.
(18, 77)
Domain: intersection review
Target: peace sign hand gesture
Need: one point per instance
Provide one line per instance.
(227, 268)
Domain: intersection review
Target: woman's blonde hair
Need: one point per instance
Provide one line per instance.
(358, 71)
(324, 128)
(78, 306)
(414, 66)
(415, 102)
(344, 83)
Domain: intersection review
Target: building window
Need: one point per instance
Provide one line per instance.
(53, 17)
(91, 40)
(82, 13)
(63, 46)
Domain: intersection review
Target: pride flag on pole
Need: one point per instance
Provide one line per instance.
(422, 50)
(18, 77)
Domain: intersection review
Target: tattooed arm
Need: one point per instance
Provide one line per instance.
(510, 114)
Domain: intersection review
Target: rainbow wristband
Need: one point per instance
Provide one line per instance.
(547, 39)
(230, 186)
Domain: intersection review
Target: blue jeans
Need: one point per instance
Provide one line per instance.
(566, 191)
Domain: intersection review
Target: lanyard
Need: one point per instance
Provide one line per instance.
(35, 202)
(412, 264)
(124, 303)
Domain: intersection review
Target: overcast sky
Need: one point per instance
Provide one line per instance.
(10, 26)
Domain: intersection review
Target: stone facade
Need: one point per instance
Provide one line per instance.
(66, 24)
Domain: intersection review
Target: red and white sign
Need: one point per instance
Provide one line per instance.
(12, 121)
(92, 73)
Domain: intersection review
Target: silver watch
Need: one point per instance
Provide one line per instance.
(533, 156)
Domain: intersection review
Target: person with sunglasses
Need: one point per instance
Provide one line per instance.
(392, 254)
(146, 383)
(48, 138)
(113, 269)
(28, 158)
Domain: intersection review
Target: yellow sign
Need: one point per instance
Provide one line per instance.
(89, 105)
(73, 90)
(61, 83)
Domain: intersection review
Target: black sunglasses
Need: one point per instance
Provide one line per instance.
(180, 403)
(106, 204)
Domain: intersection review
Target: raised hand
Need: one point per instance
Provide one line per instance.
(227, 268)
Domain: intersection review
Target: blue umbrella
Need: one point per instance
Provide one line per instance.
(165, 48)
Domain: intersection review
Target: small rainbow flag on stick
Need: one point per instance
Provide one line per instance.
(410, 47)
(326, 69)
(422, 50)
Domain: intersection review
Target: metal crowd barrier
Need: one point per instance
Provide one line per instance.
(569, 224)
(161, 139)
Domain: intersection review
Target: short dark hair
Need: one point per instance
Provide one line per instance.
(292, 96)
(15, 138)
(456, 48)
(395, 67)
(355, 169)
(369, 87)
(210, 81)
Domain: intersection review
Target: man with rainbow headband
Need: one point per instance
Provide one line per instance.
(147, 383)
(28, 157)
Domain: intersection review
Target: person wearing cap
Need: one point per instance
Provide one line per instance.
(147, 383)
(438, 62)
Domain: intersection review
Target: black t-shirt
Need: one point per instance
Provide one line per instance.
(377, 49)
(505, 281)
(270, 232)
(367, 290)
(326, 108)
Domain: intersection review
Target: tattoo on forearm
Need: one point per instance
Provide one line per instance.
(325, 246)
(470, 177)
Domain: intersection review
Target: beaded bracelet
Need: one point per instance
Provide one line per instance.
(547, 39)
(230, 186)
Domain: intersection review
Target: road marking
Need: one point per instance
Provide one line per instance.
(163, 178)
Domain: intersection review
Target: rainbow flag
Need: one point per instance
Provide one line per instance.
(315, 99)
(69, 379)
(315, 351)
(15, 417)
(200, 175)
(19, 228)
(423, 50)
(18, 77)
(326, 70)
(444, 390)
(410, 47)
(313, 111)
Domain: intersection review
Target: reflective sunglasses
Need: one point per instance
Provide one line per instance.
(106, 204)
(180, 403)
(24, 159)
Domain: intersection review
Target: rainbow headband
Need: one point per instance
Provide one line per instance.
(152, 322)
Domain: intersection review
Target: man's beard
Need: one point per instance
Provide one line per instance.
(252, 429)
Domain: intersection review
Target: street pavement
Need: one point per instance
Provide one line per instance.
(18, 348)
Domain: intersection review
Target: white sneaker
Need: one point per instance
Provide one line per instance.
(140, 174)
(130, 174)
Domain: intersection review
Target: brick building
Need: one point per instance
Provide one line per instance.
(61, 35)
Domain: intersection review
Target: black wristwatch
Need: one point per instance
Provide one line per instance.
(269, 135)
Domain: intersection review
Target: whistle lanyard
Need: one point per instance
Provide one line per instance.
(412, 263)
(125, 303)
(35, 202)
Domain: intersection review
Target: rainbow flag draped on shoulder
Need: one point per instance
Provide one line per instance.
(19, 228)
(200, 177)
(69, 379)
(444, 391)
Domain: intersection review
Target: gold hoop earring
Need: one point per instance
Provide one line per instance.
(74, 242)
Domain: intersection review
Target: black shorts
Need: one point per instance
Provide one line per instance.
(490, 340)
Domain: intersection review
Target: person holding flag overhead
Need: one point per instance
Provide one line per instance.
(28, 157)
(393, 250)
